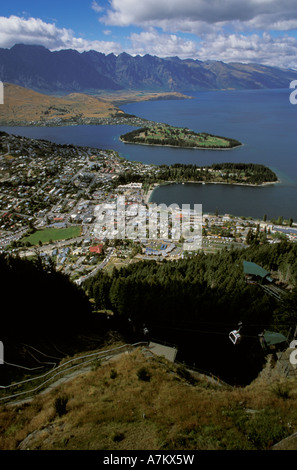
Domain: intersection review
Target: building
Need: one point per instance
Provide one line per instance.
(255, 273)
(96, 249)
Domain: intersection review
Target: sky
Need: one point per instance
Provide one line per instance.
(248, 31)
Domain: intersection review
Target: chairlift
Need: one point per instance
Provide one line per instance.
(235, 335)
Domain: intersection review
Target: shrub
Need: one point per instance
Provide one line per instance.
(143, 374)
(118, 436)
(113, 374)
(265, 429)
(281, 390)
(61, 405)
(183, 373)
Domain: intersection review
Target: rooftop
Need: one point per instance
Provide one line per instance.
(255, 270)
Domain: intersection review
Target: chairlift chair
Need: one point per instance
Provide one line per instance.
(235, 335)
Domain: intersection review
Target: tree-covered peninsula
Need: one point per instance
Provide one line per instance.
(227, 173)
(163, 134)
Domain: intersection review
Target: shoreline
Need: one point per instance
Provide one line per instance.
(150, 192)
(106, 121)
(184, 148)
(166, 183)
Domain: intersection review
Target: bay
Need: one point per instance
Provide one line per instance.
(263, 120)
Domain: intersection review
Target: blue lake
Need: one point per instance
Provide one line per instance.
(263, 120)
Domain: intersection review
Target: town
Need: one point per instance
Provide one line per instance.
(52, 198)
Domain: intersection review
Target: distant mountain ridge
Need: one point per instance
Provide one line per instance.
(67, 71)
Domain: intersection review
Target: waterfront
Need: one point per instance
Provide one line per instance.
(263, 120)
(248, 201)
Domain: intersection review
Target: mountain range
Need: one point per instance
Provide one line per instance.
(67, 71)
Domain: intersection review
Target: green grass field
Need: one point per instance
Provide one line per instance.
(54, 234)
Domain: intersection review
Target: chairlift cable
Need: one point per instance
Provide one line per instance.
(206, 332)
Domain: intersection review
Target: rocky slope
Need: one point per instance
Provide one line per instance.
(68, 71)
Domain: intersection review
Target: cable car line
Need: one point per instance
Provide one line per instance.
(204, 331)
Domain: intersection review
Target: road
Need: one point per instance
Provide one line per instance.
(98, 268)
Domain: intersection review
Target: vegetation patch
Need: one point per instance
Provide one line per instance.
(163, 414)
(53, 234)
(177, 137)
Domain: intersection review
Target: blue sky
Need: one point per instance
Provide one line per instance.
(262, 31)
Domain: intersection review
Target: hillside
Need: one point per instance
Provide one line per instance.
(140, 401)
(23, 106)
(69, 71)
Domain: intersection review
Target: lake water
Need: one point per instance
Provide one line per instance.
(263, 120)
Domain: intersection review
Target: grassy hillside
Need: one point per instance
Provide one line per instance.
(139, 401)
(23, 106)
(143, 402)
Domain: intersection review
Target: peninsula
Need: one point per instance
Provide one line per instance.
(163, 134)
(25, 107)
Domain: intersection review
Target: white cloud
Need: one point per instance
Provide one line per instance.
(194, 16)
(15, 30)
(255, 48)
(262, 49)
(96, 7)
(161, 45)
(212, 39)
(227, 30)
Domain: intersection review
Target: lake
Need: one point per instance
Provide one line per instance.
(263, 120)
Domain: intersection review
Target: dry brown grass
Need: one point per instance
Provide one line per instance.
(111, 408)
(22, 104)
(121, 97)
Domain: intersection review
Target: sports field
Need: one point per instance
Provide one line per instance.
(53, 234)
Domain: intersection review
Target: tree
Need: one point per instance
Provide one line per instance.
(249, 237)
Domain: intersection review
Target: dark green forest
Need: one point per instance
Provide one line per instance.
(42, 308)
(248, 173)
(176, 137)
(193, 303)
(38, 301)
(196, 302)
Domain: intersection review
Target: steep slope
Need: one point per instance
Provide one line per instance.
(25, 105)
(37, 68)
(143, 402)
(70, 71)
